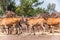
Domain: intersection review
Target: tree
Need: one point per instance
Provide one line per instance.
(11, 6)
(1, 11)
(51, 7)
(26, 8)
(6, 3)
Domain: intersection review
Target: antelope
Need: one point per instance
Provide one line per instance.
(53, 21)
(33, 21)
(6, 22)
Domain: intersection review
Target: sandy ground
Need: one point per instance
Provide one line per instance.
(30, 37)
(27, 36)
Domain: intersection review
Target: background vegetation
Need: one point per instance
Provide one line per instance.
(25, 8)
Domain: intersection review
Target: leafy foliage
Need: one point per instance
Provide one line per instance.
(25, 8)
(11, 6)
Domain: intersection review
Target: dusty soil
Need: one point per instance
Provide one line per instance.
(30, 37)
(26, 36)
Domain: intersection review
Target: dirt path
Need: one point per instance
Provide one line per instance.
(30, 37)
(53, 36)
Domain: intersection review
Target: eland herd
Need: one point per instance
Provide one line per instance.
(13, 24)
